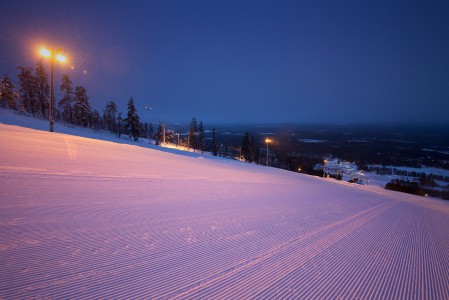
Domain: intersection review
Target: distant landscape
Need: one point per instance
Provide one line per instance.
(406, 145)
(417, 154)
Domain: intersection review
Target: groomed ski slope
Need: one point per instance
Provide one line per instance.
(89, 219)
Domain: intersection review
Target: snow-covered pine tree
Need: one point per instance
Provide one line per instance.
(169, 135)
(214, 143)
(66, 102)
(133, 120)
(82, 108)
(159, 135)
(193, 130)
(8, 93)
(145, 129)
(202, 142)
(254, 149)
(109, 118)
(246, 148)
(95, 120)
(119, 130)
(150, 131)
(28, 90)
(42, 89)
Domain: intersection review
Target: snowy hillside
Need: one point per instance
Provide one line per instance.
(84, 218)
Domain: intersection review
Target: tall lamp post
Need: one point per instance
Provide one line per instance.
(52, 55)
(267, 141)
(324, 168)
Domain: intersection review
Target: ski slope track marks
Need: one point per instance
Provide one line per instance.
(88, 219)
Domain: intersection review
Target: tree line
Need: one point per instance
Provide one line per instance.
(33, 96)
(73, 108)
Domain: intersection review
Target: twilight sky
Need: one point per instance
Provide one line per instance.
(244, 61)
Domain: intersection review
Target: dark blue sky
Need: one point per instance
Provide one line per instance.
(245, 61)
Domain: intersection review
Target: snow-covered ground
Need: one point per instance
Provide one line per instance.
(84, 218)
(349, 171)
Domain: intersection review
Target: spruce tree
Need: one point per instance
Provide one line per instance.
(27, 90)
(169, 135)
(193, 130)
(214, 143)
(95, 120)
(82, 107)
(145, 130)
(150, 131)
(109, 114)
(246, 149)
(132, 121)
(202, 142)
(8, 93)
(254, 149)
(119, 125)
(42, 89)
(66, 102)
(159, 135)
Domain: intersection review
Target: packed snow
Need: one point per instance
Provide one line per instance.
(85, 218)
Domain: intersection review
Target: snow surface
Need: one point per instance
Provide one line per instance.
(83, 218)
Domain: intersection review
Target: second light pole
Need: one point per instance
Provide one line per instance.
(267, 141)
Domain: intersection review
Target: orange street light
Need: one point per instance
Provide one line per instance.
(61, 58)
(45, 52)
(324, 168)
(52, 55)
(267, 141)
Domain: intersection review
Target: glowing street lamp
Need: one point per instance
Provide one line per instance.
(324, 168)
(45, 52)
(52, 55)
(267, 141)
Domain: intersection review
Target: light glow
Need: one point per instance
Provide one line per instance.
(60, 58)
(267, 141)
(45, 52)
